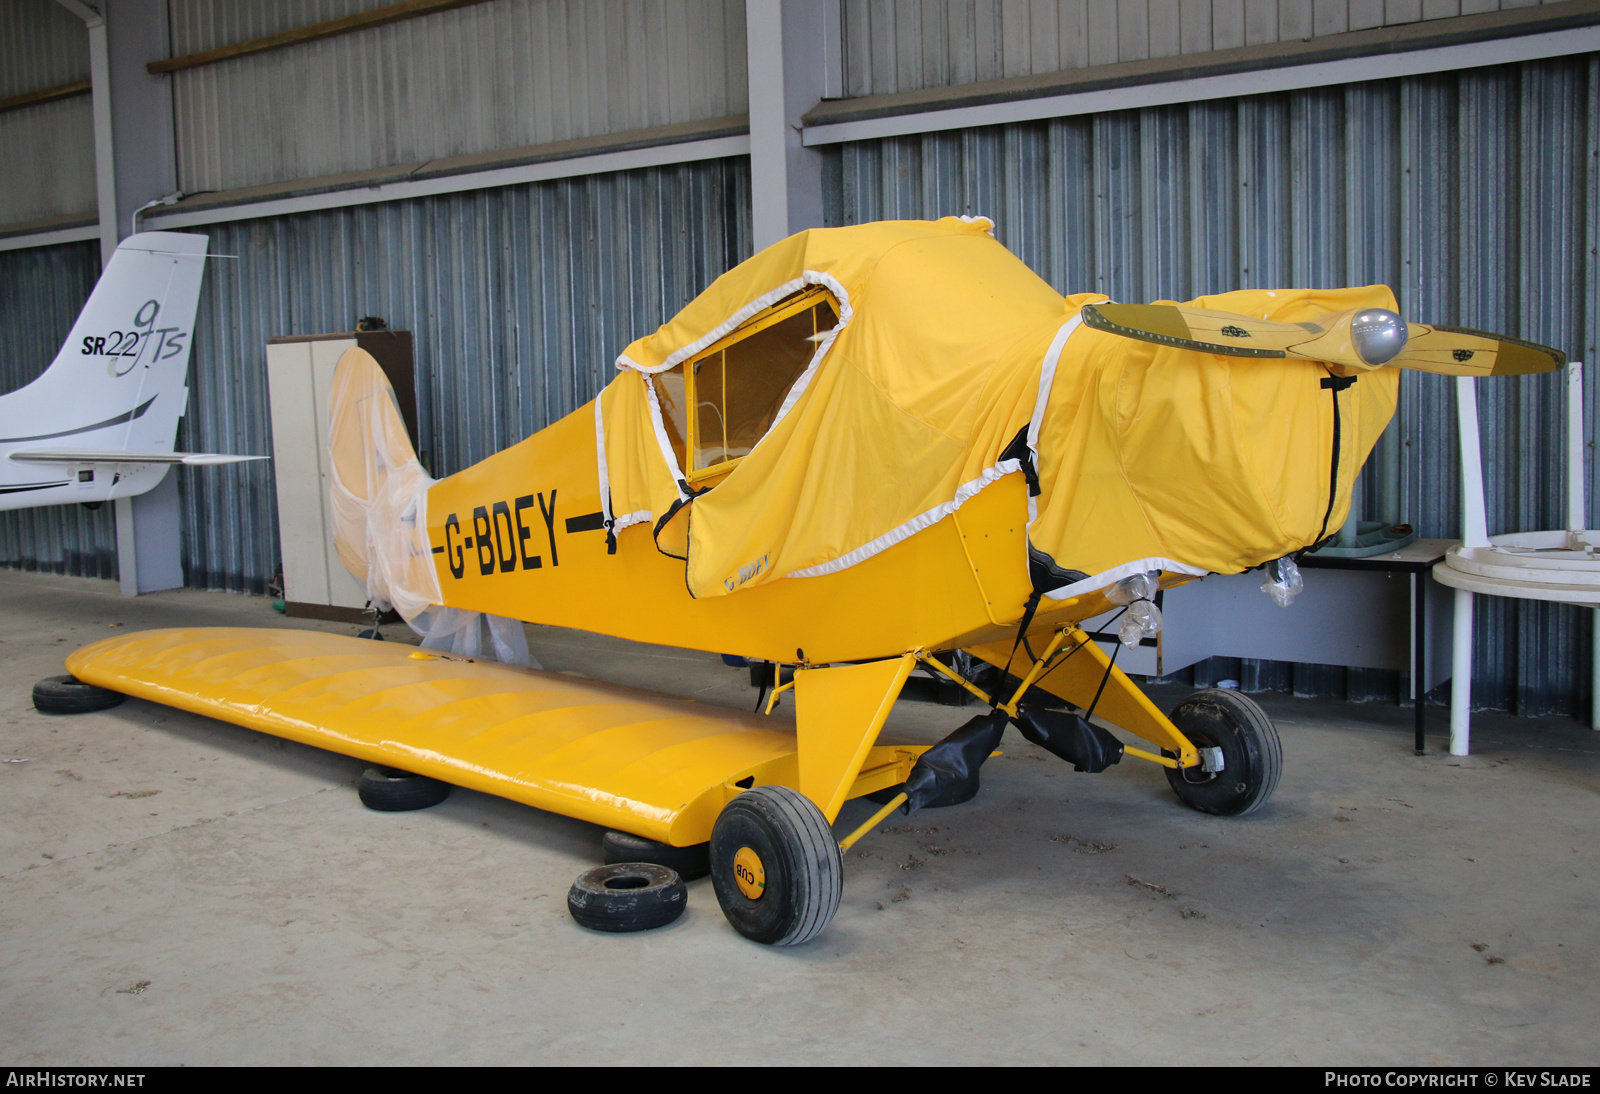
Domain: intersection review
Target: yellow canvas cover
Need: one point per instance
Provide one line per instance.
(951, 364)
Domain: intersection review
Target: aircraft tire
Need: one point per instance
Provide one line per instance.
(774, 842)
(627, 896)
(391, 791)
(69, 695)
(1252, 755)
(690, 862)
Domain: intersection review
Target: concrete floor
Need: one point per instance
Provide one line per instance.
(174, 890)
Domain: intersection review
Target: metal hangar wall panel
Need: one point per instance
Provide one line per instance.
(1474, 195)
(480, 78)
(519, 300)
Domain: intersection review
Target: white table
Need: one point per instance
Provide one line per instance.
(1556, 565)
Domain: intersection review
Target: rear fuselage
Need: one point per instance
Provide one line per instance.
(521, 535)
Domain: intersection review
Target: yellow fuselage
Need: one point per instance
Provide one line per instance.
(520, 535)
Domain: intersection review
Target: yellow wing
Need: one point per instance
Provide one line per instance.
(1334, 339)
(654, 765)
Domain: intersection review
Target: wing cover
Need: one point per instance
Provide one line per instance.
(632, 760)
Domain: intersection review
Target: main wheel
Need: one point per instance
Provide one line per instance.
(69, 695)
(1252, 756)
(775, 866)
(391, 791)
(690, 862)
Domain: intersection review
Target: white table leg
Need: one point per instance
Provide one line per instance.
(1461, 676)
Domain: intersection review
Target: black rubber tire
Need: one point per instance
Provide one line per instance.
(1252, 755)
(627, 896)
(69, 695)
(803, 864)
(690, 862)
(391, 791)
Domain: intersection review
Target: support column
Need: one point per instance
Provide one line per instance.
(105, 175)
(136, 163)
(793, 56)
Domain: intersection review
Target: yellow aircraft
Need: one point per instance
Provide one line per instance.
(856, 452)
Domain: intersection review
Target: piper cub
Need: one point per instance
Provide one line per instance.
(860, 452)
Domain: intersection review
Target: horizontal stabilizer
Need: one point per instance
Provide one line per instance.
(112, 455)
(1332, 339)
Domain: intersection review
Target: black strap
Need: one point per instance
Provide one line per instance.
(1334, 384)
(1067, 656)
(1101, 689)
(1022, 628)
(1018, 450)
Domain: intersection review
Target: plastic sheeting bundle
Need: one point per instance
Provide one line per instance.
(1284, 582)
(1142, 619)
(380, 516)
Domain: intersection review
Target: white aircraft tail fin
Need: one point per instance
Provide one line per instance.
(118, 382)
(112, 397)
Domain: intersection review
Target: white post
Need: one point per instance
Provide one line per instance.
(1461, 676)
(1474, 522)
(1474, 533)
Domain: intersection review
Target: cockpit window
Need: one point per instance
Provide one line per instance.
(737, 385)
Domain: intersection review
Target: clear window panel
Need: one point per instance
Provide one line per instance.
(738, 391)
(711, 437)
(674, 409)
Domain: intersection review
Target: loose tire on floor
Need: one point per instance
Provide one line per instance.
(69, 695)
(391, 791)
(1251, 752)
(627, 896)
(776, 868)
(690, 862)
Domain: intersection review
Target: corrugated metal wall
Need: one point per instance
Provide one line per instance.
(41, 292)
(519, 300)
(48, 168)
(208, 24)
(1475, 195)
(475, 79)
(42, 44)
(906, 45)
